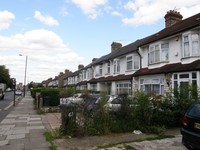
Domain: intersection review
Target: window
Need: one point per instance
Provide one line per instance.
(84, 74)
(129, 63)
(186, 84)
(152, 86)
(191, 45)
(158, 52)
(99, 70)
(124, 88)
(116, 66)
(132, 62)
(136, 61)
(108, 67)
(93, 87)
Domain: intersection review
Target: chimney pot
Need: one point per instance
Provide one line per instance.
(115, 46)
(172, 17)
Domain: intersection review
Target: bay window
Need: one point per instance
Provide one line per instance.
(124, 87)
(191, 45)
(152, 86)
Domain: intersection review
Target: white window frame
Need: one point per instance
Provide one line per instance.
(188, 43)
(93, 87)
(124, 87)
(116, 66)
(129, 62)
(108, 68)
(99, 70)
(177, 79)
(149, 85)
(159, 53)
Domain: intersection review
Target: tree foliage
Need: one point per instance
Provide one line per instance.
(4, 75)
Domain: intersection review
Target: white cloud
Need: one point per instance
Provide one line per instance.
(149, 11)
(47, 20)
(41, 40)
(116, 13)
(43, 48)
(63, 11)
(90, 7)
(6, 18)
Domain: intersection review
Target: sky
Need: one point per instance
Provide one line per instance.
(55, 35)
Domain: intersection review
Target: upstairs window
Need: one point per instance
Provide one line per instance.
(108, 68)
(116, 66)
(99, 70)
(136, 61)
(132, 62)
(191, 45)
(129, 63)
(158, 53)
(84, 74)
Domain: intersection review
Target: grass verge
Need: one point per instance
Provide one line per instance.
(48, 136)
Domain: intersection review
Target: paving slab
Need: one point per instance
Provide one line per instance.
(22, 128)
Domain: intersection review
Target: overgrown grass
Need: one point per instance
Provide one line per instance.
(49, 137)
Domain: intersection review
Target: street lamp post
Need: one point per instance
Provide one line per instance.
(25, 74)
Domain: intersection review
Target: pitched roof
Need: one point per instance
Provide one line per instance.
(179, 27)
(170, 68)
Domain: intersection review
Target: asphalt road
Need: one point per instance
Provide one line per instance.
(6, 105)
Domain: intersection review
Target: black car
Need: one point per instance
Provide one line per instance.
(191, 127)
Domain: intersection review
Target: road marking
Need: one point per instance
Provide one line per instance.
(11, 104)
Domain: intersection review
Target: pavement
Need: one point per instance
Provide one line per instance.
(22, 128)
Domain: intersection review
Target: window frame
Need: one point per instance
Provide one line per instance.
(116, 65)
(152, 83)
(157, 52)
(122, 88)
(191, 51)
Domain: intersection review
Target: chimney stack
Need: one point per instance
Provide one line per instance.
(80, 67)
(115, 46)
(172, 17)
(94, 59)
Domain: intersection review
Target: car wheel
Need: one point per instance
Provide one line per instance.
(186, 144)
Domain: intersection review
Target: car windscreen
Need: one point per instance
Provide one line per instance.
(195, 110)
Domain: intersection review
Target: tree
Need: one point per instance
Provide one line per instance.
(4, 75)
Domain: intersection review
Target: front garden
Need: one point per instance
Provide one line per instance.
(148, 113)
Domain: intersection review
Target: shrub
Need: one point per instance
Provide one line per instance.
(50, 97)
(67, 92)
(34, 91)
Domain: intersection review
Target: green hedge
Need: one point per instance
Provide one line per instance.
(50, 96)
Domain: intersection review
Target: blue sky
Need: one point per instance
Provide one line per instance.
(61, 34)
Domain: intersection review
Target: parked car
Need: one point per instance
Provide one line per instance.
(76, 99)
(117, 102)
(93, 101)
(18, 92)
(191, 127)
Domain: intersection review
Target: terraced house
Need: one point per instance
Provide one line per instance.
(167, 59)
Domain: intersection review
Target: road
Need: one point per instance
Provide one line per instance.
(6, 105)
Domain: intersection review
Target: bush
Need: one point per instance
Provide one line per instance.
(64, 93)
(34, 91)
(146, 112)
(50, 97)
